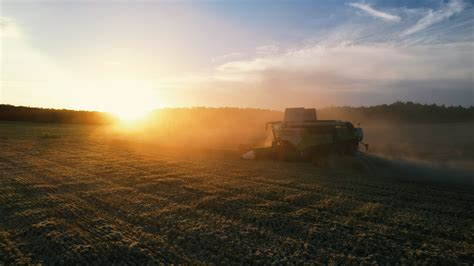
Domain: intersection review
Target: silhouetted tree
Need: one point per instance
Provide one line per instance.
(400, 112)
(30, 114)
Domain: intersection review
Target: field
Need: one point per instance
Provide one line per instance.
(69, 195)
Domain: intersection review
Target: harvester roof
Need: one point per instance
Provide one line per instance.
(300, 114)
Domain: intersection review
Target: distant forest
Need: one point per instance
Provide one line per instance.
(46, 115)
(398, 112)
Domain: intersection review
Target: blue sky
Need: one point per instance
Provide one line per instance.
(271, 54)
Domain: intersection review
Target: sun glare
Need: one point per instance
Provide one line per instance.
(130, 102)
(131, 115)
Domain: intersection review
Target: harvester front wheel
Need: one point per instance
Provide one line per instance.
(285, 151)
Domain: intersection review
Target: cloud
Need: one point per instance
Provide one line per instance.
(8, 27)
(4, 22)
(375, 13)
(227, 57)
(267, 49)
(433, 17)
(341, 74)
(363, 61)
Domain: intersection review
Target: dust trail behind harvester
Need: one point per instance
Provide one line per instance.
(415, 151)
(414, 171)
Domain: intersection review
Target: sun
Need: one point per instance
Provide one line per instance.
(131, 110)
(130, 102)
(130, 115)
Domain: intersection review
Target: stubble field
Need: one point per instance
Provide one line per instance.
(68, 197)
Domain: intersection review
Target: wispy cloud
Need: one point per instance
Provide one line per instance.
(227, 57)
(8, 27)
(381, 62)
(4, 22)
(374, 12)
(320, 74)
(433, 17)
(267, 49)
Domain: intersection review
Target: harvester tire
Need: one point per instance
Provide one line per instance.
(285, 151)
(333, 156)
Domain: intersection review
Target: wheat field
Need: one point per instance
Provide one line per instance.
(67, 197)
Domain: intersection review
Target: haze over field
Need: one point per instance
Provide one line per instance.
(131, 56)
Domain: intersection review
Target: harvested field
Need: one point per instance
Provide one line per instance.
(74, 198)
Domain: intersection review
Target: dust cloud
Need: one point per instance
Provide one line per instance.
(205, 128)
(407, 150)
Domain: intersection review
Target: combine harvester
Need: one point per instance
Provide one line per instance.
(301, 136)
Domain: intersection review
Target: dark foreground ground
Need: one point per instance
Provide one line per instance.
(74, 199)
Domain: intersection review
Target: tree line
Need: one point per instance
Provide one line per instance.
(398, 112)
(48, 115)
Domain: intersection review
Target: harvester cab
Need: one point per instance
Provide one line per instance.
(302, 136)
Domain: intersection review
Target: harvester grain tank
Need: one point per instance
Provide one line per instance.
(301, 136)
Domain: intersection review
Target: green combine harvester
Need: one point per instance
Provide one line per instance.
(301, 136)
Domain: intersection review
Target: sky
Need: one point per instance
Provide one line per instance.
(109, 55)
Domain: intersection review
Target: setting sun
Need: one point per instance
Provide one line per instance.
(129, 101)
(131, 115)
